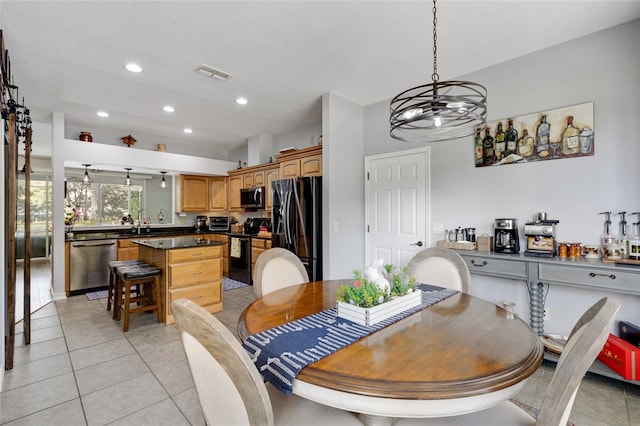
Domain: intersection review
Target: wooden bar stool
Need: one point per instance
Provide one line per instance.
(147, 300)
(113, 278)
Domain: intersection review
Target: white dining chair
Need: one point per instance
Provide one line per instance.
(442, 267)
(229, 387)
(277, 268)
(581, 350)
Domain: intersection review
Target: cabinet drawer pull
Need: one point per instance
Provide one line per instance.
(473, 262)
(196, 298)
(196, 254)
(197, 273)
(593, 274)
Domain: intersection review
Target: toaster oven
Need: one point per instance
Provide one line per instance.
(219, 223)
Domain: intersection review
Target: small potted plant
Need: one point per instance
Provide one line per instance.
(373, 297)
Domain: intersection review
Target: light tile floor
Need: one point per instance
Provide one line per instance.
(81, 369)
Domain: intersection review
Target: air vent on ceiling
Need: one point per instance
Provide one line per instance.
(208, 71)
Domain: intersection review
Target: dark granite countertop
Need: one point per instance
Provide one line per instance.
(128, 233)
(176, 243)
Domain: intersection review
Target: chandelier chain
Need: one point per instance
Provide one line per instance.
(440, 110)
(435, 76)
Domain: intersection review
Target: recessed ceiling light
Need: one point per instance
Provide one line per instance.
(241, 101)
(188, 130)
(133, 67)
(102, 114)
(168, 108)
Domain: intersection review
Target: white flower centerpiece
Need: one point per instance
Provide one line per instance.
(373, 298)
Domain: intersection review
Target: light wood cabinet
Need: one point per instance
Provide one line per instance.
(218, 194)
(258, 178)
(253, 179)
(193, 193)
(311, 166)
(127, 250)
(258, 245)
(193, 273)
(304, 162)
(290, 168)
(235, 185)
(247, 180)
(222, 238)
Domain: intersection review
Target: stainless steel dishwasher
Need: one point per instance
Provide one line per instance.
(89, 263)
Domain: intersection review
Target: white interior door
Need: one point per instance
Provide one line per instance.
(397, 205)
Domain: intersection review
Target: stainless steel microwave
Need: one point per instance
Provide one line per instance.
(252, 198)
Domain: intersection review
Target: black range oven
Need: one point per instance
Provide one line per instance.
(240, 257)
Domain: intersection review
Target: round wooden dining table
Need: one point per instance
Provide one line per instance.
(460, 355)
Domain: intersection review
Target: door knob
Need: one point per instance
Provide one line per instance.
(419, 244)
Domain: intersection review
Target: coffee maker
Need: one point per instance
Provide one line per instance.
(506, 238)
(201, 224)
(541, 237)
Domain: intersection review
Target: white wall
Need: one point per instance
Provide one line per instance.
(603, 68)
(300, 137)
(599, 68)
(342, 187)
(262, 146)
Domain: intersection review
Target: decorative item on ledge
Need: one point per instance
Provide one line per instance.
(372, 298)
(162, 147)
(85, 137)
(128, 140)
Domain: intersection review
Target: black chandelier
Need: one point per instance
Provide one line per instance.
(438, 111)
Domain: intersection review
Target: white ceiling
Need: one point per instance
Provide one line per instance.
(68, 57)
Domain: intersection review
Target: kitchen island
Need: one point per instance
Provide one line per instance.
(191, 268)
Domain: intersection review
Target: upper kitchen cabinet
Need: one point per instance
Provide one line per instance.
(303, 162)
(193, 193)
(218, 194)
(253, 179)
(235, 185)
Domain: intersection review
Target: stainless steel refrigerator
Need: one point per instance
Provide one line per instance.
(297, 220)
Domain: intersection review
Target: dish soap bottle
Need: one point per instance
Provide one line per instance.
(607, 239)
(634, 240)
(623, 241)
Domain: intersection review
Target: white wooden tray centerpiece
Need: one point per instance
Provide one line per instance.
(375, 295)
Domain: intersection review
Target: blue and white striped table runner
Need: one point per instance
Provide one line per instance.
(281, 352)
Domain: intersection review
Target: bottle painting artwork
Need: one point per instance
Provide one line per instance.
(561, 133)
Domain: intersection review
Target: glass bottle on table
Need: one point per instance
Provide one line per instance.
(511, 139)
(479, 148)
(570, 138)
(525, 145)
(500, 144)
(488, 148)
(542, 137)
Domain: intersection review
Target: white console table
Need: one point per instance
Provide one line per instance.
(540, 271)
